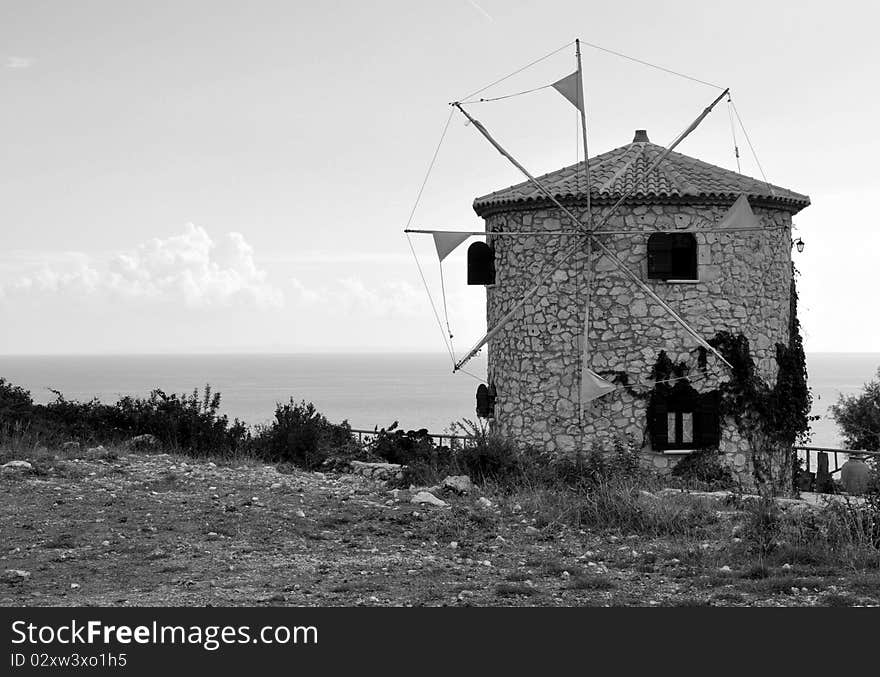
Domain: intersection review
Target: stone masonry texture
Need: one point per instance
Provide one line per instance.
(743, 287)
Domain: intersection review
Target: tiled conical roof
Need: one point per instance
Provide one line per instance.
(677, 179)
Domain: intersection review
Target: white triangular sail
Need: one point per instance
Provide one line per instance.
(570, 88)
(593, 386)
(447, 242)
(740, 215)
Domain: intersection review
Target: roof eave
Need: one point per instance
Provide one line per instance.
(792, 205)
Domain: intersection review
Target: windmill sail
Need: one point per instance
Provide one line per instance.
(570, 88)
(586, 235)
(593, 386)
(447, 242)
(740, 215)
(591, 236)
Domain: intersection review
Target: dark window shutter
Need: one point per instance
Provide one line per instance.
(660, 256)
(493, 394)
(672, 256)
(684, 257)
(707, 422)
(480, 264)
(486, 401)
(658, 423)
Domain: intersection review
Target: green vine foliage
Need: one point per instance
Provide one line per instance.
(771, 418)
(784, 409)
(662, 372)
(621, 378)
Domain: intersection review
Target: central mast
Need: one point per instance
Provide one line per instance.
(583, 109)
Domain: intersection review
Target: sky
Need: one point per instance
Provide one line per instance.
(224, 176)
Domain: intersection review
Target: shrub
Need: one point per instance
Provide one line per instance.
(300, 435)
(492, 458)
(501, 461)
(397, 446)
(703, 469)
(21, 424)
(485, 457)
(16, 403)
(89, 421)
(188, 423)
(859, 417)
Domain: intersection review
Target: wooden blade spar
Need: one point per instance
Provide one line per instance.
(588, 234)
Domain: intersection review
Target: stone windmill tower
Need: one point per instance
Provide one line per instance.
(713, 244)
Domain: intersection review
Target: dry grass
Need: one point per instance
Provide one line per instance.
(179, 531)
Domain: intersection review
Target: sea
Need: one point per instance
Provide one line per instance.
(367, 390)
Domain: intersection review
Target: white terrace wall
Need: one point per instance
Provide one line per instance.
(744, 286)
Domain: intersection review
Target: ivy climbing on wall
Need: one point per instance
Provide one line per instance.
(770, 418)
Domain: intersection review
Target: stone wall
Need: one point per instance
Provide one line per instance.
(744, 286)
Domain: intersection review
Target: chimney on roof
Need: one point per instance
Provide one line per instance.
(641, 136)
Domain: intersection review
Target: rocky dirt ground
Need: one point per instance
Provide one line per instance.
(158, 529)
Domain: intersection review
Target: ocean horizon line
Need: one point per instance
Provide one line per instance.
(418, 388)
(247, 353)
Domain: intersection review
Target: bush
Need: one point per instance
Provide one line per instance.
(16, 403)
(859, 417)
(485, 457)
(488, 457)
(191, 423)
(20, 423)
(703, 469)
(187, 423)
(404, 447)
(301, 435)
(492, 458)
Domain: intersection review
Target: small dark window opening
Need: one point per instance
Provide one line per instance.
(672, 256)
(684, 419)
(480, 264)
(486, 401)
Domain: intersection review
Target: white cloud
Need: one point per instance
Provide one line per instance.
(351, 295)
(190, 268)
(18, 62)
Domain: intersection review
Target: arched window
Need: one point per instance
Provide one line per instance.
(682, 419)
(672, 256)
(486, 401)
(480, 264)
